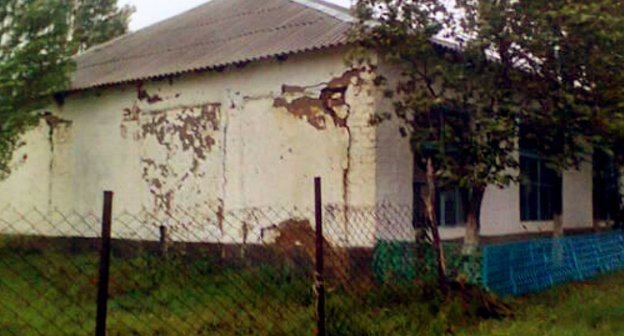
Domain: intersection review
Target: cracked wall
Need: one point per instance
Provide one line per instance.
(221, 150)
(180, 160)
(344, 103)
(205, 145)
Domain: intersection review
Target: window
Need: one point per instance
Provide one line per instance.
(606, 194)
(540, 189)
(449, 208)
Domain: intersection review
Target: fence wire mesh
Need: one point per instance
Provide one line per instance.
(251, 271)
(241, 272)
(519, 268)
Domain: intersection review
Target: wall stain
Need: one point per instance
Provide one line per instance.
(295, 239)
(142, 95)
(331, 101)
(186, 135)
(55, 124)
(188, 126)
(131, 114)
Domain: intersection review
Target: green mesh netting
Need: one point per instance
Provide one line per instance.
(395, 261)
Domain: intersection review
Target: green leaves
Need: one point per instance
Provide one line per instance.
(37, 40)
(558, 72)
(455, 106)
(97, 21)
(33, 63)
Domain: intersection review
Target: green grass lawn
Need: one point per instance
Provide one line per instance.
(45, 290)
(594, 307)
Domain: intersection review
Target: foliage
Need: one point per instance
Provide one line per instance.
(456, 106)
(194, 291)
(98, 21)
(548, 71)
(573, 51)
(37, 40)
(33, 64)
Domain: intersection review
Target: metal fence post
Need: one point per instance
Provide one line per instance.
(162, 244)
(100, 326)
(319, 284)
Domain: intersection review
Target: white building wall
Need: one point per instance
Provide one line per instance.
(203, 146)
(28, 184)
(500, 211)
(229, 154)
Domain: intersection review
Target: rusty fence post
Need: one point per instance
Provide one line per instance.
(102, 297)
(319, 283)
(163, 244)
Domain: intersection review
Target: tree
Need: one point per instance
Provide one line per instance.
(549, 69)
(98, 21)
(457, 107)
(573, 52)
(37, 40)
(33, 65)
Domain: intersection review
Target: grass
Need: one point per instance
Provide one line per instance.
(50, 289)
(584, 308)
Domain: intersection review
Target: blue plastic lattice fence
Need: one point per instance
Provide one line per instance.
(519, 268)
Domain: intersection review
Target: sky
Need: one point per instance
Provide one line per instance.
(152, 11)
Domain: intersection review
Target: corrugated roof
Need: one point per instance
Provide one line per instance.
(216, 34)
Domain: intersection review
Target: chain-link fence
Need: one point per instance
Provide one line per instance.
(253, 271)
(524, 267)
(238, 272)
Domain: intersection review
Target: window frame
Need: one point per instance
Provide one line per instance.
(554, 198)
(605, 187)
(440, 205)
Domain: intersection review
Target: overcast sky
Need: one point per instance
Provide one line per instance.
(152, 11)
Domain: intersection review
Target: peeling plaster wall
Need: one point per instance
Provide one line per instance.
(200, 145)
(229, 154)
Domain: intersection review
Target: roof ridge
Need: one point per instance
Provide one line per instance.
(327, 10)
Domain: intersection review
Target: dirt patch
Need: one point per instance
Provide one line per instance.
(296, 242)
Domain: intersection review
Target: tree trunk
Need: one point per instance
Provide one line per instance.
(419, 223)
(558, 225)
(558, 231)
(471, 239)
(433, 224)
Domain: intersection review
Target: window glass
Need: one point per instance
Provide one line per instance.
(540, 189)
(606, 194)
(449, 208)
